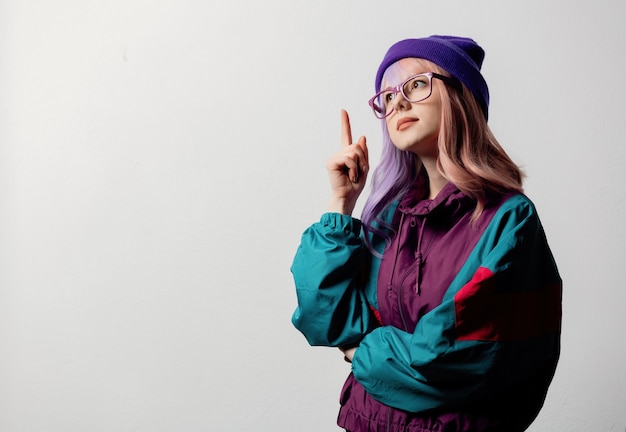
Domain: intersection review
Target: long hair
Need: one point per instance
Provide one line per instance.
(469, 156)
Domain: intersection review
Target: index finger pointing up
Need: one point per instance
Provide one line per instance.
(346, 133)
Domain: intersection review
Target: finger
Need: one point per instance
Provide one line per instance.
(346, 163)
(351, 167)
(346, 132)
(363, 153)
(362, 144)
(358, 157)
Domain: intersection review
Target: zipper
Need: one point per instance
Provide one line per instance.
(393, 272)
(400, 309)
(418, 259)
(418, 268)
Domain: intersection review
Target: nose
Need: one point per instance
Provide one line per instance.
(399, 102)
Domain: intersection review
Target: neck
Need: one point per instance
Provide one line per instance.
(436, 180)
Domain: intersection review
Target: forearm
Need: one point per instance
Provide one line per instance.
(328, 272)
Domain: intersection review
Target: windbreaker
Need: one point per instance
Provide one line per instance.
(457, 326)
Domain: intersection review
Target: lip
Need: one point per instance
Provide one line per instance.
(404, 123)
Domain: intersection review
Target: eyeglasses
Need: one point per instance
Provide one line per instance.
(415, 89)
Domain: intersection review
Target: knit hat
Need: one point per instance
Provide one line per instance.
(461, 57)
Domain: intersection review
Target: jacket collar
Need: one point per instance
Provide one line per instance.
(415, 203)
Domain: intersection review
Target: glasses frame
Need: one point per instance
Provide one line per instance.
(455, 83)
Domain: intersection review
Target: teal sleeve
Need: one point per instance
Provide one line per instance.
(331, 273)
(498, 324)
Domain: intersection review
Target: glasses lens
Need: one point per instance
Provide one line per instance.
(382, 103)
(417, 88)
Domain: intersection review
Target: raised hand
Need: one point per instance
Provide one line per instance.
(347, 170)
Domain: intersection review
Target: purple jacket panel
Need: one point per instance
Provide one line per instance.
(434, 239)
(433, 242)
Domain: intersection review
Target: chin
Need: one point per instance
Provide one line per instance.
(420, 148)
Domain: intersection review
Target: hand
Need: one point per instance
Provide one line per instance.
(348, 353)
(347, 170)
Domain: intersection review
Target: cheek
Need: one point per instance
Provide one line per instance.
(434, 114)
(437, 120)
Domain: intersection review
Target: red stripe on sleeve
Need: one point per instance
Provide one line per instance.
(377, 315)
(484, 314)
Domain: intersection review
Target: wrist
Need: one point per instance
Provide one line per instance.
(348, 353)
(341, 205)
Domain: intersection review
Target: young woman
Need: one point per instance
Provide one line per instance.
(445, 297)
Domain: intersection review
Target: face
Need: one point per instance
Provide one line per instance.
(414, 126)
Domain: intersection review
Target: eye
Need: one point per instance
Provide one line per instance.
(416, 88)
(418, 82)
(388, 97)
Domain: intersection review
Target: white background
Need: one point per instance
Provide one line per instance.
(159, 160)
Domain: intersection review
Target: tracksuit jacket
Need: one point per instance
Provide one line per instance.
(457, 326)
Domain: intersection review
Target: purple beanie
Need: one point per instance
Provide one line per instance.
(460, 57)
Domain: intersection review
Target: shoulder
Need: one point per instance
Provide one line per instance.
(514, 222)
(515, 206)
(518, 201)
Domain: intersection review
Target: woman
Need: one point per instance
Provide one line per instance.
(445, 297)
